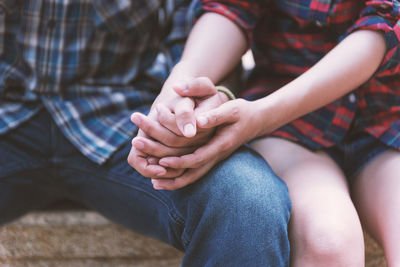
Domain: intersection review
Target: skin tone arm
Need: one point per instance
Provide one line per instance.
(350, 64)
(211, 52)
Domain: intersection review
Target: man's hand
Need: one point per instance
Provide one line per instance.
(160, 134)
(237, 123)
(210, 52)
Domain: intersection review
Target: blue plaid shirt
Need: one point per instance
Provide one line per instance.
(90, 63)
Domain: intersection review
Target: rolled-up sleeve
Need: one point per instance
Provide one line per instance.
(242, 13)
(384, 16)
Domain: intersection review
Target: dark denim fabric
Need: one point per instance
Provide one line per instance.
(355, 151)
(236, 215)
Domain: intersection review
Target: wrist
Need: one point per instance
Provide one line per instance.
(179, 74)
(185, 68)
(267, 115)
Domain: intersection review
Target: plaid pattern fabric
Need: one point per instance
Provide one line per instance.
(243, 13)
(293, 35)
(91, 63)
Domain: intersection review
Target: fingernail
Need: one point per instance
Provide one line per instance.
(188, 130)
(138, 144)
(202, 120)
(136, 119)
(155, 184)
(163, 163)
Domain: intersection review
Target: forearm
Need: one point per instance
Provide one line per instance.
(214, 46)
(350, 64)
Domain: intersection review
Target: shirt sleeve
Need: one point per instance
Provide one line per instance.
(384, 16)
(179, 19)
(242, 13)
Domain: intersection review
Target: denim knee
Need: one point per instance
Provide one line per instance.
(245, 182)
(242, 208)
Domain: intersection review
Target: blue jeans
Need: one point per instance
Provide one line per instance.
(236, 215)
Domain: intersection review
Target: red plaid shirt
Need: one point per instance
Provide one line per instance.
(292, 36)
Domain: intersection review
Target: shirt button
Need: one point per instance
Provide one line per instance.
(352, 98)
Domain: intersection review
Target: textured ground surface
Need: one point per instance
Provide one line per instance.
(87, 239)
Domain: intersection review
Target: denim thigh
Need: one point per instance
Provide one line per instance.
(237, 214)
(27, 179)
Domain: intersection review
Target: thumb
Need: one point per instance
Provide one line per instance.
(198, 87)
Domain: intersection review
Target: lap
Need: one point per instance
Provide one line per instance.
(299, 165)
(41, 160)
(318, 188)
(324, 222)
(243, 179)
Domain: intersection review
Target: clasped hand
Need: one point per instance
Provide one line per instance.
(182, 139)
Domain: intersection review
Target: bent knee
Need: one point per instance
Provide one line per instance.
(247, 182)
(258, 202)
(329, 243)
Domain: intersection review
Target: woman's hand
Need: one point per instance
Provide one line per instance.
(236, 123)
(160, 134)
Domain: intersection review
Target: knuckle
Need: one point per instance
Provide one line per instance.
(162, 117)
(185, 112)
(130, 161)
(199, 161)
(205, 81)
(227, 145)
(235, 112)
(165, 119)
(216, 118)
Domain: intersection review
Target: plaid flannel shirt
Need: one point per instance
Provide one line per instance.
(91, 63)
(293, 35)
